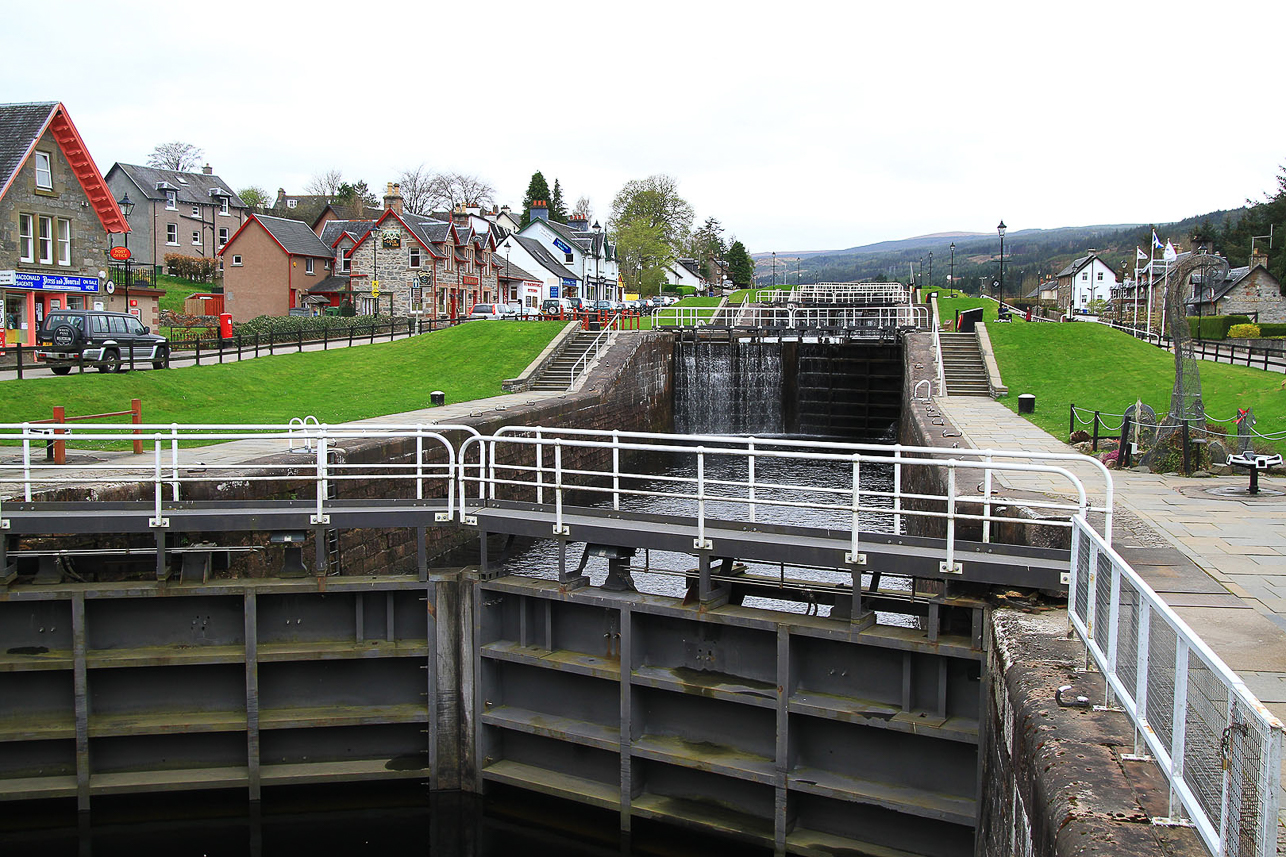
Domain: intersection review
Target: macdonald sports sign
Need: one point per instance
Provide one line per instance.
(49, 282)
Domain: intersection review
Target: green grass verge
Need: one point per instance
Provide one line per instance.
(178, 290)
(466, 362)
(948, 307)
(1101, 369)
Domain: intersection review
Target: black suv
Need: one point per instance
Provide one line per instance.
(102, 339)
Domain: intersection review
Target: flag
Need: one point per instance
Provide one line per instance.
(1170, 254)
(1139, 254)
(1156, 242)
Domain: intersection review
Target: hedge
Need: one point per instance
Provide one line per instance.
(1215, 326)
(311, 323)
(1272, 329)
(197, 268)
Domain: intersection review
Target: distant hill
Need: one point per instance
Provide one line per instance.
(1030, 254)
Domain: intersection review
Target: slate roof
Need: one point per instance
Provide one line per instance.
(330, 285)
(692, 267)
(193, 188)
(568, 234)
(545, 258)
(20, 126)
(295, 236)
(510, 271)
(1075, 267)
(335, 228)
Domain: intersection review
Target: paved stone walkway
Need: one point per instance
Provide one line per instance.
(1220, 563)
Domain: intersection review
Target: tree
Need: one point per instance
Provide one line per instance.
(1234, 239)
(537, 189)
(708, 246)
(355, 195)
(740, 267)
(325, 184)
(183, 157)
(644, 255)
(256, 197)
(416, 189)
(656, 201)
(557, 211)
(583, 209)
(425, 191)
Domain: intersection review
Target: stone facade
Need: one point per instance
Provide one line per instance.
(453, 287)
(1257, 292)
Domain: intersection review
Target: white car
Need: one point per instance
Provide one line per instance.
(491, 311)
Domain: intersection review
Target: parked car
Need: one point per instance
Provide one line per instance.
(579, 304)
(525, 313)
(490, 311)
(105, 340)
(605, 306)
(556, 306)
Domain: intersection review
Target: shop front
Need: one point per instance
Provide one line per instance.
(27, 298)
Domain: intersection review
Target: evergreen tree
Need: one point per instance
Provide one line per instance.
(740, 267)
(1234, 238)
(708, 246)
(557, 210)
(537, 189)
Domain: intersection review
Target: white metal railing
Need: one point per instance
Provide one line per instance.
(1218, 746)
(524, 462)
(600, 343)
(179, 457)
(683, 316)
(937, 348)
(837, 293)
(850, 318)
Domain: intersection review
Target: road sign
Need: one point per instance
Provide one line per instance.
(375, 288)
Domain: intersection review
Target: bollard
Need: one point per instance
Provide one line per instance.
(1026, 404)
(1095, 446)
(437, 397)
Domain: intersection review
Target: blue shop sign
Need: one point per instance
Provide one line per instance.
(558, 242)
(553, 291)
(49, 282)
(569, 281)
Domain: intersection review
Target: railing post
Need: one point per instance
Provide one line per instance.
(700, 543)
(299, 341)
(136, 417)
(60, 446)
(1141, 677)
(1113, 630)
(949, 567)
(897, 489)
(26, 461)
(323, 480)
(540, 468)
(19, 353)
(986, 497)
(559, 529)
(157, 520)
(616, 470)
(174, 461)
(1071, 418)
(750, 476)
(419, 463)
(854, 547)
(1094, 447)
(1178, 718)
(198, 350)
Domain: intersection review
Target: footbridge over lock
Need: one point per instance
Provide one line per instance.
(805, 672)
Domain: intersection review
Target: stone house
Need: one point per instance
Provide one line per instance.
(270, 266)
(1084, 281)
(58, 218)
(191, 214)
(1250, 290)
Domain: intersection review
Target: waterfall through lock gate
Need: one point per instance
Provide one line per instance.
(726, 387)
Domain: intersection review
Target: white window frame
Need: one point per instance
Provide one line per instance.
(308, 265)
(45, 239)
(45, 170)
(171, 200)
(196, 211)
(63, 237)
(292, 203)
(26, 238)
(413, 257)
(223, 235)
(196, 238)
(346, 263)
(223, 205)
(172, 234)
(236, 260)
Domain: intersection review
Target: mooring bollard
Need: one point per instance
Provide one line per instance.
(1026, 404)
(437, 397)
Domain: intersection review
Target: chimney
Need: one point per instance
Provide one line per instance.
(393, 198)
(473, 208)
(1258, 257)
(207, 169)
(578, 222)
(539, 210)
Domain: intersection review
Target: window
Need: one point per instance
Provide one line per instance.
(569, 256)
(223, 205)
(118, 325)
(64, 241)
(44, 171)
(196, 211)
(171, 233)
(46, 240)
(291, 203)
(133, 325)
(1085, 276)
(171, 199)
(236, 261)
(26, 239)
(223, 235)
(346, 263)
(99, 324)
(1100, 275)
(196, 238)
(308, 265)
(415, 257)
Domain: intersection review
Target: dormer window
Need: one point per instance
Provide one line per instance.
(223, 205)
(172, 200)
(292, 203)
(44, 171)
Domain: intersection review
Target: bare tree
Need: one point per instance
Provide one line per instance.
(451, 189)
(183, 157)
(325, 184)
(417, 189)
(582, 208)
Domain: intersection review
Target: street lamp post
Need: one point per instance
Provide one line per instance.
(1001, 229)
(930, 280)
(126, 206)
(952, 277)
(774, 269)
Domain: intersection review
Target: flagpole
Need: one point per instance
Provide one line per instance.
(1137, 251)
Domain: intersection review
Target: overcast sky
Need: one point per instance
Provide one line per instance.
(800, 125)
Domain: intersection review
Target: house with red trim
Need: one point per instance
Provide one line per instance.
(57, 220)
(269, 266)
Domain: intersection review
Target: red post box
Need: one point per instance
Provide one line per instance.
(225, 325)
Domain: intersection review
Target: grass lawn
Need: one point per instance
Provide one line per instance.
(466, 362)
(1100, 369)
(948, 307)
(177, 290)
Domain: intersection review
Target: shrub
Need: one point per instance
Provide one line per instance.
(1272, 330)
(1244, 331)
(278, 324)
(196, 268)
(346, 308)
(1214, 326)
